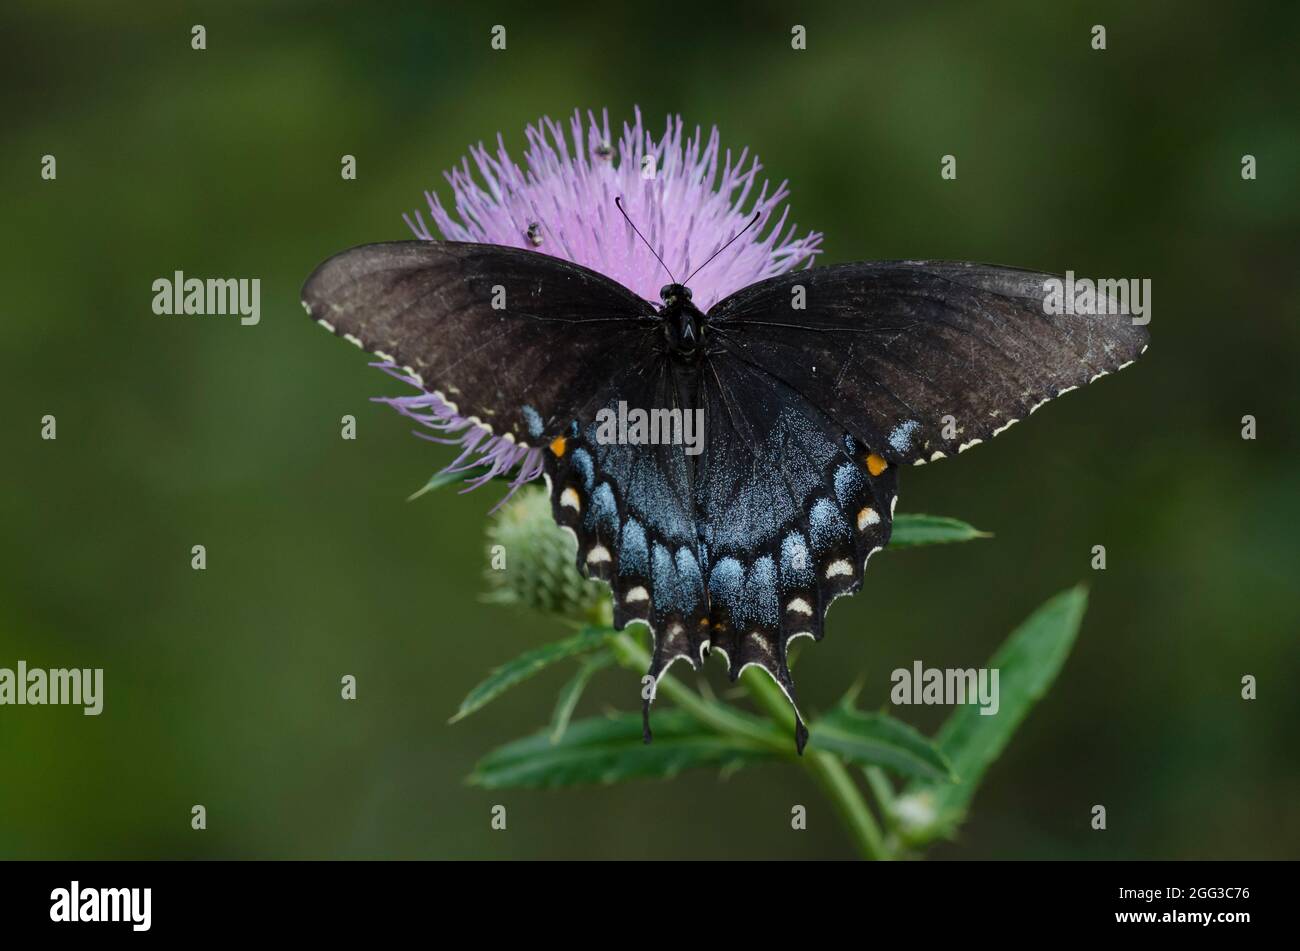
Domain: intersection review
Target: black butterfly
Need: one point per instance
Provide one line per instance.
(815, 387)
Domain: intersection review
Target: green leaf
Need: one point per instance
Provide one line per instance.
(911, 531)
(877, 739)
(1027, 664)
(572, 691)
(529, 663)
(610, 749)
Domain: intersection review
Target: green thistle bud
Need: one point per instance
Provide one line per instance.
(531, 561)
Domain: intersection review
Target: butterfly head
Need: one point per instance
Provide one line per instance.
(671, 293)
(683, 321)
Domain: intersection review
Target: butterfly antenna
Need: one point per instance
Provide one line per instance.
(619, 201)
(725, 246)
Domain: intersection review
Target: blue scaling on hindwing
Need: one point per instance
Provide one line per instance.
(900, 437)
(667, 589)
(796, 561)
(827, 523)
(602, 513)
(726, 584)
(688, 574)
(582, 463)
(634, 555)
(848, 482)
(759, 604)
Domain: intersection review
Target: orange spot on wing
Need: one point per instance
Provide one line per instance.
(876, 464)
(558, 446)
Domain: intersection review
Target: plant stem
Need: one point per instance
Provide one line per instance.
(834, 779)
(827, 771)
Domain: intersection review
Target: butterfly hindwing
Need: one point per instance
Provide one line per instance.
(630, 507)
(921, 360)
(792, 507)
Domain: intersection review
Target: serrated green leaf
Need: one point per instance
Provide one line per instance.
(912, 531)
(529, 663)
(611, 749)
(877, 739)
(571, 692)
(1027, 664)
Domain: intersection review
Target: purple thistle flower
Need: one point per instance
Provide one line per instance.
(688, 196)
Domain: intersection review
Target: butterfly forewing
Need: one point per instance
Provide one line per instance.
(492, 329)
(920, 360)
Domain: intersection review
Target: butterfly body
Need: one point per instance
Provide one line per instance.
(683, 322)
(813, 388)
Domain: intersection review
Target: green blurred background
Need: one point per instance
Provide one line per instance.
(222, 686)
